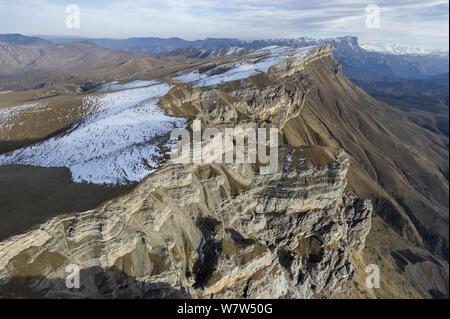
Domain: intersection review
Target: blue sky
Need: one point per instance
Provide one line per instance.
(408, 22)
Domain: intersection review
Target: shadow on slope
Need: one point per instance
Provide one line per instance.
(95, 283)
(31, 195)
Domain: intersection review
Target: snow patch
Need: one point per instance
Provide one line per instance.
(243, 69)
(8, 115)
(233, 50)
(116, 86)
(118, 144)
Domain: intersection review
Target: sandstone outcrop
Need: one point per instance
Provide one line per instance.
(211, 230)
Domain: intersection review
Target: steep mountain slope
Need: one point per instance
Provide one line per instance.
(432, 113)
(408, 161)
(424, 101)
(401, 165)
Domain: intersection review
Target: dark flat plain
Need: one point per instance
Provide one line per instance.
(32, 195)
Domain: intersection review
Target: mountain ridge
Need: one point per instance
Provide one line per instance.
(393, 161)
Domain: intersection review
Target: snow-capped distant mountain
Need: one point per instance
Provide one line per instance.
(399, 49)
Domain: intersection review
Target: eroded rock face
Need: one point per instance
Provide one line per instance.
(210, 230)
(202, 230)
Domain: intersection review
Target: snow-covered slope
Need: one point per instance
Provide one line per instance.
(243, 68)
(118, 144)
(233, 50)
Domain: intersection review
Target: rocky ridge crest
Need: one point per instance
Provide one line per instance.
(211, 230)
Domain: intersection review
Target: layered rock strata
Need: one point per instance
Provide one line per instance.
(210, 230)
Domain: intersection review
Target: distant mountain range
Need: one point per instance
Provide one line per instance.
(23, 40)
(357, 62)
(16, 59)
(159, 45)
(399, 49)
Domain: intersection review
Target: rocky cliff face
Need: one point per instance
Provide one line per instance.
(203, 230)
(211, 230)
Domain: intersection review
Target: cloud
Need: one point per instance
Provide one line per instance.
(410, 22)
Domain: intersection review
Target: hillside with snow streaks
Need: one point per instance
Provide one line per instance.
(118, 144)
(116, 86)
(233, 50)
(243, 69)
(8, 115)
